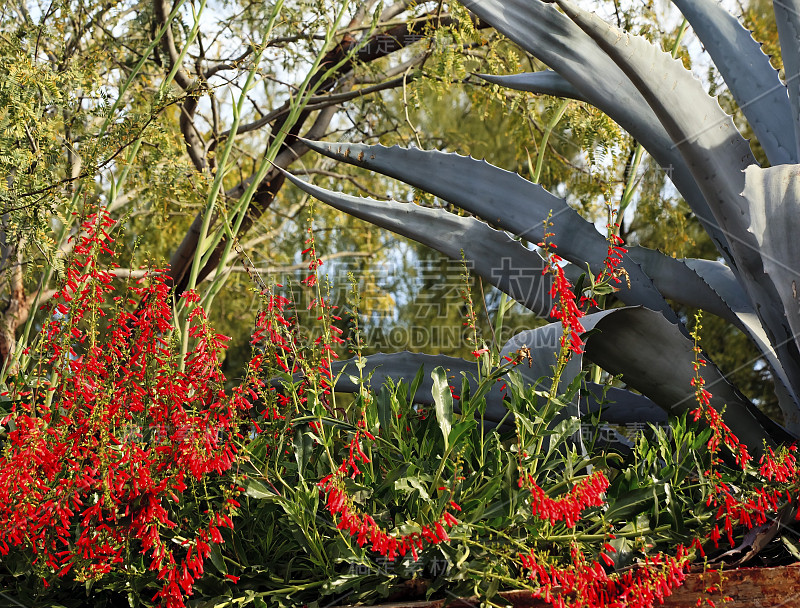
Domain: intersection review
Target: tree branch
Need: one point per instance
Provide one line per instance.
(228, 65)
(317, 102)
(195, 146)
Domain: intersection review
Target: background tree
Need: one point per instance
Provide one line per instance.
(130, 105)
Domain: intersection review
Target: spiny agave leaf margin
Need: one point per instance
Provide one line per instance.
(677, 281)
(499, 197)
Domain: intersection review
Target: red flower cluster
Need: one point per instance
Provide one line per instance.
(613, 266)
(365, 529)
(564, 308)
(760, 506)
(285, 347)
(721, 432)
(587, 493)
(100, 456)
(780, 473)
(588, 584)
(780, 469)
(614, 257)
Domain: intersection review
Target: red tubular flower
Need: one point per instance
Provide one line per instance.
(582, 583)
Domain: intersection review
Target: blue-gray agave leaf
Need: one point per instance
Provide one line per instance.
(722, 281)
(711, 286)
(499, 197)
(752, 80)
(543, 342)
(491, 254)
(618, 406)
(655, 358)
(774, 197)
(405, 365)
(636, 343)
(545, 82)
(709, 142)
(676, 280)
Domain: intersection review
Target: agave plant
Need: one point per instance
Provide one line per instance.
(750, 212)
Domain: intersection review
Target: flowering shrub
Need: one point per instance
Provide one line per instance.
(767, 498)
(117, 447)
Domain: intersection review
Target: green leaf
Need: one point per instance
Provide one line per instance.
(460, 430)
(443, 400)
(415, 384)
(303, 446)
(412, 484)
(634, 502)
(791, 545)
(216, 558)
(465, 391)
(675, 509)
(256, 489)
(383, 401)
